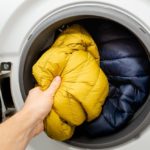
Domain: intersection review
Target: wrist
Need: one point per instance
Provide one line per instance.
(25, 123)
(17, 131)
(30, 115)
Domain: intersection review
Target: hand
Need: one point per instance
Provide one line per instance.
(17, 131)
(39, 104)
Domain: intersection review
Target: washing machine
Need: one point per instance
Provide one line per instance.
(25, 26)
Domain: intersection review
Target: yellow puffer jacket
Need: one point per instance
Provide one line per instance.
(74, 56)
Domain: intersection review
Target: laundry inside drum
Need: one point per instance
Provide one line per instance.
(124, 60)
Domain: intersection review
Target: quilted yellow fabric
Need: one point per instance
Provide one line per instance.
(73, 56)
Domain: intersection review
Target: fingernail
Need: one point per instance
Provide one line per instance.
(57, 78)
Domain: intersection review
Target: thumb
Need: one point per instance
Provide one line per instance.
(53, 87)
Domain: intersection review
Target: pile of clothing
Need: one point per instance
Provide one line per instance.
(73, 56)
(126, 64)
(83, 57)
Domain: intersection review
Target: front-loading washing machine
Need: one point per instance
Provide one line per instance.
(25, 27)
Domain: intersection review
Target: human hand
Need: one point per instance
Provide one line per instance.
(18, 130)
(38, 103)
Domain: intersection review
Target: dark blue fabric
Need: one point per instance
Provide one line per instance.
(124, 61)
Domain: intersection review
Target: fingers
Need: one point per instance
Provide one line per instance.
(54, 86)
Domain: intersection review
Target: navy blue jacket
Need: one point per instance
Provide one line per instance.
(124, 61)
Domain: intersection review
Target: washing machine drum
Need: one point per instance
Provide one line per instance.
(126, 65)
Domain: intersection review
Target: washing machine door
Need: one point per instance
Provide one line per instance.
(31, 14)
